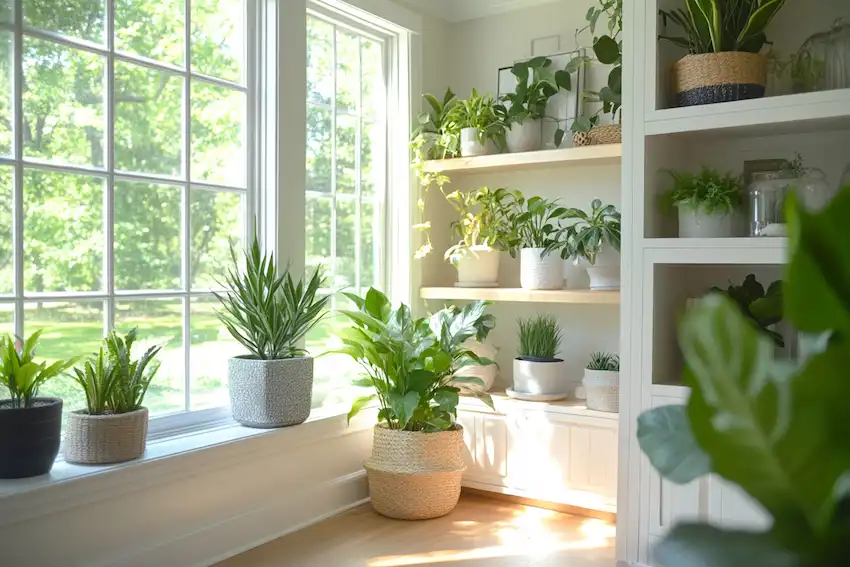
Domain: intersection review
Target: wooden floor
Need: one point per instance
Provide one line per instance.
(479, 533)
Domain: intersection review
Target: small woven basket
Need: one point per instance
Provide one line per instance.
(599, 135)
(415, 475)
(105, 439)
(719, 77)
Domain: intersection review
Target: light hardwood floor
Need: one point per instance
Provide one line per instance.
(480, 533)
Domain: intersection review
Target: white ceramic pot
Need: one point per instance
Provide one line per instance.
(479, 267)
(540, 273)
(602, 390)
(605, 272)
(486, 374)
(525, 137)
(541, 378)
(470, 145)
(699, 224)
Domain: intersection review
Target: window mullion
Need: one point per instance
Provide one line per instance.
(333, 164)
(186, 216)
(18, 189)
(109, 194)
(358, 171)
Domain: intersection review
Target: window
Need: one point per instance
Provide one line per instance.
(123, 180)
(347, 140)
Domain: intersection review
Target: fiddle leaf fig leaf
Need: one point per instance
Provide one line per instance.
(702, 545)
(665, 437)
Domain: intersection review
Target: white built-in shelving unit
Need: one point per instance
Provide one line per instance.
(662, 272)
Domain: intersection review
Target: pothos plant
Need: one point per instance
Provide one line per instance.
(411, 364)
(534, 223)
(478, 111)
(775, 428)
(589, 232)
(482, 222)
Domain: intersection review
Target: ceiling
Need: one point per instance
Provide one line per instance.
(460, 10)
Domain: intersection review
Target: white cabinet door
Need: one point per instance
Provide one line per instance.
(488, 446)
(732, 508)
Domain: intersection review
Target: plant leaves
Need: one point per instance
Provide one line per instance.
(358, 404)
(403, 406)
(563, 80)
(665, 437)
(607, 50)
(702, 545)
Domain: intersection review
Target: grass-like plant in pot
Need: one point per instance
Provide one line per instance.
(483, 231)
(270, 313)
(593, 240)
(707, 203)
(724, 40)
(113, 427)
(481, 131)
(774, 428)
(30, 426)
(534, 232)
(602, 382)
(410, 365)
(538, 372)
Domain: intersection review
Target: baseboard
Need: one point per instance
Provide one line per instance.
(554, 506)
(286, 513)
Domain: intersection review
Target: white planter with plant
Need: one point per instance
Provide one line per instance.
(537, 370)
(113, 428)
(525, 136)
(707, 203)
(602, 382)
(481, 132)
(270, 314)
(416, 466)
(483, 229)
(593, 241)
(534, 232)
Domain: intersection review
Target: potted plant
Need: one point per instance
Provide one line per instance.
(113, 428)
(481, 132)
(30, 427)
(416, 465)
(523, 110)
(602, 382)
(707, 203)
(534, 231)
(538, 372)
(761, 307)
(270, 314)
(594, 241)
(484, 232)
(724, 40)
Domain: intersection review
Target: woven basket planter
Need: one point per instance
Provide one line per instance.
(599, 135)
(105, 439)
(415, 475)
(719, 77)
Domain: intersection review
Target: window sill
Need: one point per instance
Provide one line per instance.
(165, 459)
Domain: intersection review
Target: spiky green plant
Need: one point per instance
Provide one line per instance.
(21, 375)
(604, 361)
(539, 337)
(97, 378)
(132, 376)
(269, 313)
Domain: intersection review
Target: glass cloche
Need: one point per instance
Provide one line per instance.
(768, 191)
(823, 62)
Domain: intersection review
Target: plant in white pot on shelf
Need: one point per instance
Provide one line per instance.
(481, 131)
(410, 365)
(270, 314)
(593, 241)
(538, 372)
(534, 232)
(602, 382)
(483, 230)
(113, 427)
(707, 203)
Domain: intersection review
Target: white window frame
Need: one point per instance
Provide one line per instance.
(178, 422)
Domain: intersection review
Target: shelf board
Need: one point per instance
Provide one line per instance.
(522, 295)
(678, 391)
(747, 250)
(588, 155)
(505, 404)
(771, 116)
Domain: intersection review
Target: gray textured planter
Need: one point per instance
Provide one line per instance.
(270, 393)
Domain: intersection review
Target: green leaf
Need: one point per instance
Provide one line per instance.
(665, 437)
(447, 398)
(582, 124)
(759, 20)
(607, 50)
(363, 383)
(702, 545)
(358, 404)
(563, 80)
(559, 137)
(615, 79)
(377, 304)
(403, 406)
(707, 11)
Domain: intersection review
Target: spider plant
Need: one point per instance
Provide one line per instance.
(604, 362)
(132, 377)
(21, 375)
(539, 337)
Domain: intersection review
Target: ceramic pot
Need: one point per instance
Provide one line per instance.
(525, 137)
(536, 272)
(471, 146)
(479, 267)
(699, 224)
(605, 272)
(538, 377)
(29, 437)
(270, 393)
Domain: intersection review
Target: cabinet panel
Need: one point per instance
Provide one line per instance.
(488, 445)
(732, 508)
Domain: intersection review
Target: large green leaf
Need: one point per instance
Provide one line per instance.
(358, 405)
(702, 545)
(403, 406)
(665, 437)
(759, 20)
(763, 427)
(706, 14)
(607, 50)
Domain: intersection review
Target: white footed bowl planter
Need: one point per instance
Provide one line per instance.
(471, 146)
(270, 393)
(415, 475)
(699, 224)
(525, 137)
(479, 267)
(541, 378)
(487, 373)
(105, 439)
(605, 272)
(540, 273)
(602, 390)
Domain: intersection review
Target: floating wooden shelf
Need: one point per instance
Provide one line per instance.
(522, 295)
(505, 404)
(590, 155)
(748, 250)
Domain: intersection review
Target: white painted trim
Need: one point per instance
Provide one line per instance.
(377, 12)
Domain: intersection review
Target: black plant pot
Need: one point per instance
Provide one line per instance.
(29, 438)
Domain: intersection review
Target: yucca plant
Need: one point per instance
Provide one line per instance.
(539, 337)
(267, 312)
(97, 378)
(21, 375)
(132, 377)
(604, 362)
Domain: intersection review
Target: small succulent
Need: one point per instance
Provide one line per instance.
(604, 361)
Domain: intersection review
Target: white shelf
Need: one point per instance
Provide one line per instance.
(790, 114)
(504, 405)
(749, 250)
(677, 391)
(517, 295)
(588, 155)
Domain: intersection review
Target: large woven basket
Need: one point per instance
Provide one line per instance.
(415, 475)
(105, 439)
(719, 77)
